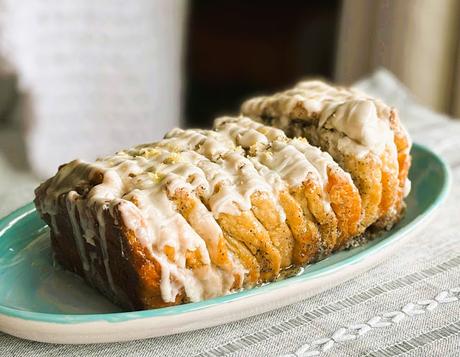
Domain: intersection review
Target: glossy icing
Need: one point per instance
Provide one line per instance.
(348, 111)
(293, 159)
(354, 122)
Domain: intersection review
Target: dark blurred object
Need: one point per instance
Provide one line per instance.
(8, 92)
(240, 48)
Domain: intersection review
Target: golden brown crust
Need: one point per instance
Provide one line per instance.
(268, 215)
(346, 203)
(367, 176)
(145, 271)
(302, 225)
(246, 229)
(246, 258)
(325, 219)
(403, 145)
(390, 190)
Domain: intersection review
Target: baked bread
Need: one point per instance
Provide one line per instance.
(324, 191)
(203, 213)
(362, 134)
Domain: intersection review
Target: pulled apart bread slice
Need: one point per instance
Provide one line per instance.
(361, 133)
(116, 223)
(254, 218)
(325, 193)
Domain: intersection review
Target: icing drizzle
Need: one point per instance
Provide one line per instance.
(348, 111)
(221, 169)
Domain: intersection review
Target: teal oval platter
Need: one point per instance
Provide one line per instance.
(42, 302)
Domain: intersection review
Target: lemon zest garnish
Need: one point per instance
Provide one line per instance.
(172, 159)
(155, 176)
(148, 152)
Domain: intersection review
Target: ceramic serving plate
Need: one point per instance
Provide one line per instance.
(39, 301)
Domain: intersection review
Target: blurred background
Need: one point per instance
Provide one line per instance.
(85, 78)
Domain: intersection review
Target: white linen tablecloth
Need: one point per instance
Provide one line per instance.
(407, 305)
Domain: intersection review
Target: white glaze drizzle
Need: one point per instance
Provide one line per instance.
(164, 225)
(360, 123)
(293, 159)
(103, 241)
(237, 172)
(79, 242)
(350, 112)
(172, 229)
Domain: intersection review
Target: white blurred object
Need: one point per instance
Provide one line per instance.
(98, 75)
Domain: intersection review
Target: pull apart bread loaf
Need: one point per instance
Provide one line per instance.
(203, 213)
(362, 134)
